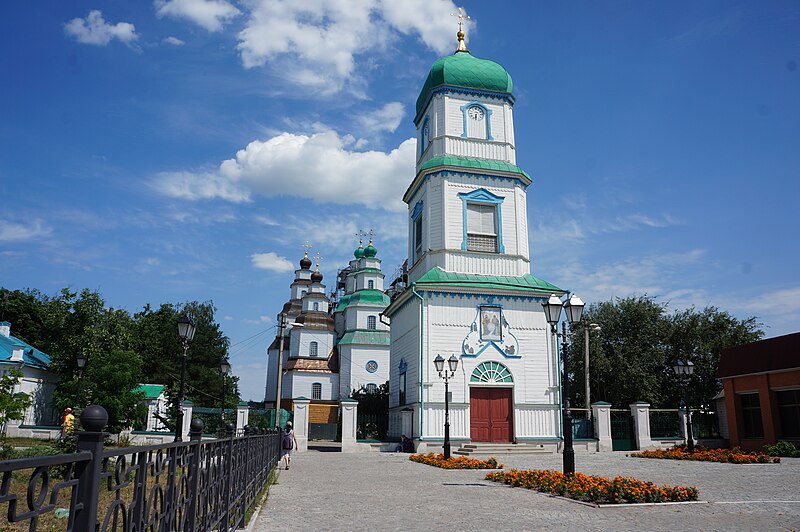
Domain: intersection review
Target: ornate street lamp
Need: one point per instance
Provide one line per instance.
(452, 362)
(224, 369)
(684, 369)
(186, 332)
(573, 308)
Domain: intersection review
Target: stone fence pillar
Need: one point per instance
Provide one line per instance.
(640, 411)
(301, 422)
(601, 415)
(187, 408)
(684, 422)
(242, 415)
(349, 417)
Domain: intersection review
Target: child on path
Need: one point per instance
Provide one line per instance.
(289, 442)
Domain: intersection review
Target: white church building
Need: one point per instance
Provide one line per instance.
(469, 290)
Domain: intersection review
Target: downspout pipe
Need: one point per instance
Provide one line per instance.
(421, 358)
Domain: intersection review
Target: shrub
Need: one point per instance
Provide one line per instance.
(460, 462)
(783, 448)
(594, 488)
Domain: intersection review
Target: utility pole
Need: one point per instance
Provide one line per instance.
(282, 321)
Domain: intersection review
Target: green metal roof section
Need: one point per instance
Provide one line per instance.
(525, 283)
(474, 164)
(462, 69)
(365, 338)
(150, 391)
(368, 297)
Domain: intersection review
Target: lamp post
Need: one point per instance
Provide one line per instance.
(186, 332)
(587, 328)
(81, 362)
(452, 362)
(684, 370)
(281, 329)
(224, 369)
(573, 308)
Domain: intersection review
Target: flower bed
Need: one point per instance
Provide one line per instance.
(594, 488)
(460, 462)
(701, 454)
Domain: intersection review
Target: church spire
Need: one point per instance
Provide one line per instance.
(462, 45)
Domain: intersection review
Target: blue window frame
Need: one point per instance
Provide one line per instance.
(416, 232)
(473, 127)
(372, 323)
(480, 204)
(424, 136)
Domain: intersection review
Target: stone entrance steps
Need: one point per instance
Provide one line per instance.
(469, 449)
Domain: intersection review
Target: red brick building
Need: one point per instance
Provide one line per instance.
(762, 391)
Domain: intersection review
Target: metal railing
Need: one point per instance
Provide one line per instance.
(182, 486)
(665, 423)
(582, 426)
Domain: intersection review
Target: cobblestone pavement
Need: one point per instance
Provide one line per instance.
(386, 491)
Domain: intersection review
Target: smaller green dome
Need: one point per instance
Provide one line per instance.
(359, 252)
(462, 69)
(370, 251)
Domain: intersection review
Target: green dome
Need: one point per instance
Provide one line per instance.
(370, 251)
(462, 69)
(359, 252)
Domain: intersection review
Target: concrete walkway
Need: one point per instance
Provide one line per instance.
(386, 491)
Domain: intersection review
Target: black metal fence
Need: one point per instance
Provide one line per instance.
(665, 424)
(182, 486)
(582, 427)
(372, 426)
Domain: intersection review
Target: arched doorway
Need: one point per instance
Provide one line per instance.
(491, 403)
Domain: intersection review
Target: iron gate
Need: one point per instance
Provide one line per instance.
(622, 438)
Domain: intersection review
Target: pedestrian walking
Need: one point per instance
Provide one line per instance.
(289, 442)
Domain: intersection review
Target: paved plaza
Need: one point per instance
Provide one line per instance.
(386, 491)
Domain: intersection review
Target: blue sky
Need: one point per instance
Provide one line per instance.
(185, 149)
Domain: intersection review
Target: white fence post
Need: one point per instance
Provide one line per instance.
(601, 414)
(349, 417)
(301, 422)
(640, 411)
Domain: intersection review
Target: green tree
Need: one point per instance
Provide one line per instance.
(12, 403)
(631, 357)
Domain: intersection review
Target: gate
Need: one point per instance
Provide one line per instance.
(622, 438)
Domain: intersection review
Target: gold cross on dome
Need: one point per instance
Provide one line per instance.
(318, 258)
(307, 245)
(461, 16)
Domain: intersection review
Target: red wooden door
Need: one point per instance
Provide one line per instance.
(490, 412)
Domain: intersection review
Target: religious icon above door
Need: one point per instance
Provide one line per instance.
(490, 328)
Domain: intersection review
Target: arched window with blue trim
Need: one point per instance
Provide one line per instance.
(477, 121)
(424, 136)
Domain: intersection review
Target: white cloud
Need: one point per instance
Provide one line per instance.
(209, 14)
(271, 261)
(261, 319)
(199, 185)
(314, 43)
(174, 41)
(10, 231)
(95, 30)
(321, 167)
(228, 318)
(387, 118)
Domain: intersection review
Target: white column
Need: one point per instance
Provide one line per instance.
(684, 427)
(349, 417)
(640, 412)
(301, 422)
(186, 407)
(242, 415)
(601, 415)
